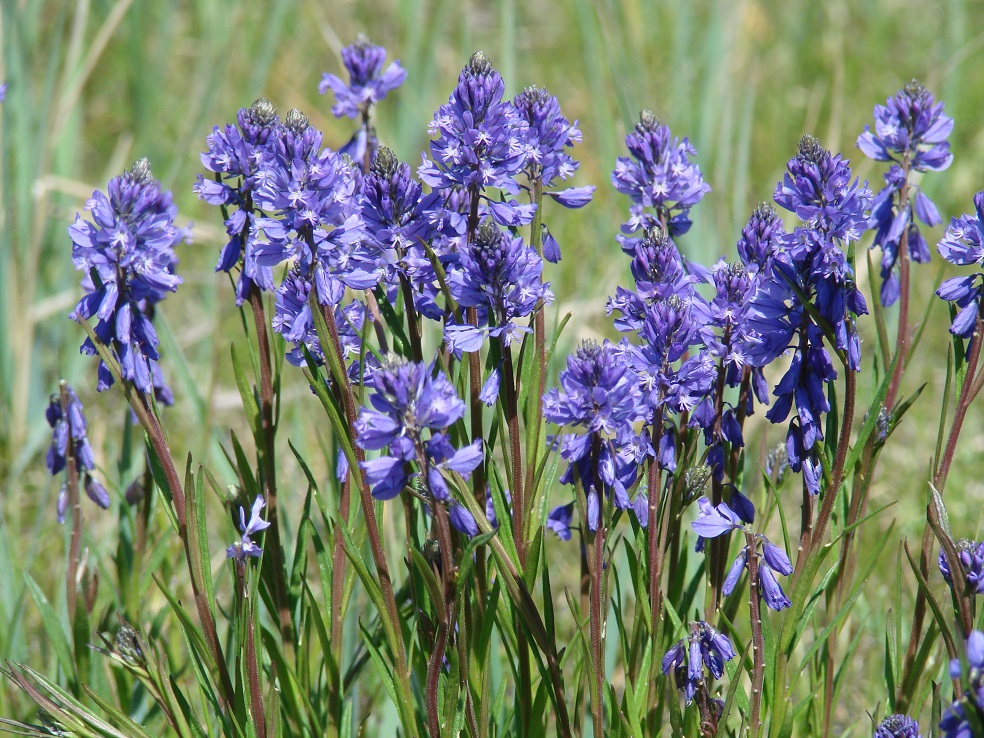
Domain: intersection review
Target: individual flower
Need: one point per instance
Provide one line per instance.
(660, 178)
(559, 520)
(971, 556)
(704, 648)
(898, 726)
(955, 723)
(236, 156)
(713, 521)
(69, 437)
(3, 92)
(369, 82)
(408, 398)
(963, 245)
(245, 546)
(126, 255)
(481, 142)
(501, 276)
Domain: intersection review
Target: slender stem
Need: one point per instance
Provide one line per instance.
(758, 643)
(267, 458)
(512, 422)
(902, 335)
(837, 475)
(960, 412)
(252, 664)
(413, 323)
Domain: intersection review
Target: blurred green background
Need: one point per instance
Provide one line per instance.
(96, 84)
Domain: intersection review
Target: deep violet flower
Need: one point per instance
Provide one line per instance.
(971, 556)
(897, 726)
(369, 82)
(963, 245)
(409, 398)
(955, 723)
(68, 436)
(126, 255)
(600, 394)
(910, 132)
(713, 521)
(500, 275)
(245, 546)
(704, 648)
(235, 155)
(481, 142)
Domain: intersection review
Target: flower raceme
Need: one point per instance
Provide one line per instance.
(245, 546)
(409, 398)
(68, 436)
(369, 82)
(963, 245)
(713, 521)
(126, 255)
(704, 648)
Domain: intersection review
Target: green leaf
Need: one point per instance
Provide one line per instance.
(56, 633)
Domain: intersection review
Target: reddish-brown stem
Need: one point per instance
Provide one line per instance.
(902, 336)
(840, 457)
(758, 643)
(413, 324)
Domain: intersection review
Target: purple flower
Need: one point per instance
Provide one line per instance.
(368, 83)
(316, 218)
(559, 520)
(3, 92)
(963, 245)
(126, 255)
(704, 648)
(549, 136)
(760, 238)
(481, 142)
(659, 176)
(245, 546)
(955, 723)
(235, 155)
(500, 275)
(911, 132)
(68, 435)
(971, 556)
(912, 125)
(409, 398)
(898, 726)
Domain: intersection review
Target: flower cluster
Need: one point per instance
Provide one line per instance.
(660, 176)
(713, 521)
(245, 546)
(963, 245)
(369, 81)
(69, 438)
(408, 398)
(601, 395)
(126, 255)
(235, 156)
(481, 142)
(898, 726)
(910, 132)
(703, 648)
(971, 556)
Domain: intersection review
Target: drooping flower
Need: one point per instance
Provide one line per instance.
(481, 142)
(963, 245)
(910, 132)
(897, 726)
(971, 556)
(501, 276)
(368, 82)
(660, 179)
(713, 521)
(236, 155)
(126, 255)
(704, 648)
(69, 437)
(955, 723)
(409, 398)
(245, 546)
